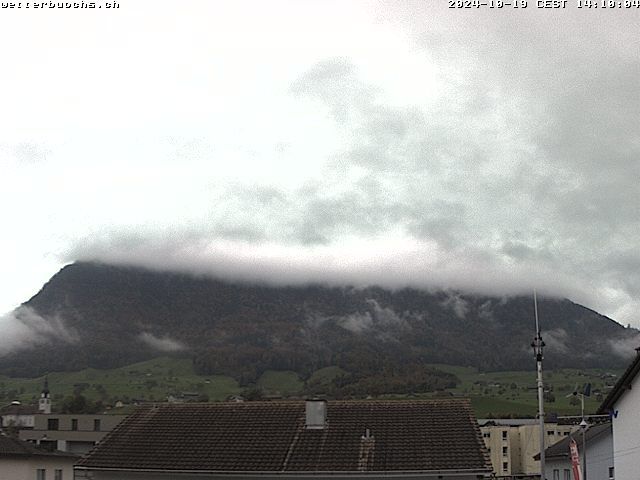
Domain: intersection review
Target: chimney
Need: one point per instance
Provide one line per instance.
(316, 414)
(367, 451)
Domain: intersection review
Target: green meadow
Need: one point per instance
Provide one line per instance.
(496, 394)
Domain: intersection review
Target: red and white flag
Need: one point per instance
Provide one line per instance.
(575, 460)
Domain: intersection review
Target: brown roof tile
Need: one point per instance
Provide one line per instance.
(12, 447)
(18, 409)
(561, 449)
(271, 437)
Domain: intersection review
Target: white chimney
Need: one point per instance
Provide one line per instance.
(316, 414)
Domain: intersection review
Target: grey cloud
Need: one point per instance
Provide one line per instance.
(377, 320)
(556, 340)
(626, 347)
(26, 152)
(335, 83)
(30, 152)
(163, 344)
(357, 322)
(24, 328)
(522, 172)
(456, 303)
(485, 311)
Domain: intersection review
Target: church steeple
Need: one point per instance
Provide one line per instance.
(44, 403)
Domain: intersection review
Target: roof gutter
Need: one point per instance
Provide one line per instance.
(298, 474)
(39, 455)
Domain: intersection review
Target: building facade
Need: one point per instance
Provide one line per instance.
(512, 444)
(17, 416)
(598, 440)
(623, 406)
(75, 433)
(23, 461)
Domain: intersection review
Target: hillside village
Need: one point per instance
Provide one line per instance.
(372, 438)
(361, 402)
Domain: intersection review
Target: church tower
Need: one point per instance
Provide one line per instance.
(44, 403)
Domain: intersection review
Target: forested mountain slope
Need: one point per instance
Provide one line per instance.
(105, 316)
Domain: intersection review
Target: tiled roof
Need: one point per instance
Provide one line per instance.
(428, 435)
(12, 447)
(19, 410)
(622, 385)
(561, 449)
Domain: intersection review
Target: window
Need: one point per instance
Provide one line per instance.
(550, 433)
(96, 424)
(611, 471)
(505, 466)
(48, 445)
(52, 424)
(486, 434)
(504, 434)
(41, 474)
(556, 474)
(567, 474)
(566, 434)
(74, 424)
(505, 451)
(57, 475)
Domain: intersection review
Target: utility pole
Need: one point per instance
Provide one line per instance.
(584, 425)
(538, 345)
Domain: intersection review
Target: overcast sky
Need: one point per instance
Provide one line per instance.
(397, 143)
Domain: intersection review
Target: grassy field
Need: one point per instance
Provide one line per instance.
(151, 380)
(280, 383)
(492, 394)
(514, 393)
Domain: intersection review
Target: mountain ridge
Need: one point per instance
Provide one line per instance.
(244, 329)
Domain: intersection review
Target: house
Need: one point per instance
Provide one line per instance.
(16, 415)
(598, 440)
(416, 439)
(76, 433)
(512, 444)
(623, 406)
(23, 461)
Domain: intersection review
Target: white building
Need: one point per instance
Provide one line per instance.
(512, 444)
(16, 415)
(76, 433)
(599, 446)
(623, 405)
(23, 461)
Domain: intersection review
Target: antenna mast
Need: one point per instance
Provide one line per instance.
(538, 345)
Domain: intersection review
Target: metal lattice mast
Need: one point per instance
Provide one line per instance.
(538, 346)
